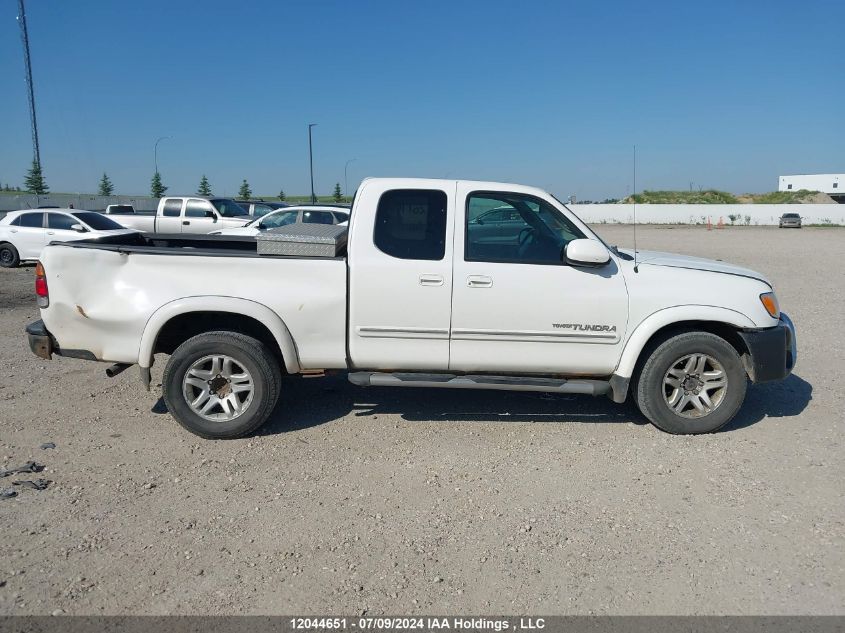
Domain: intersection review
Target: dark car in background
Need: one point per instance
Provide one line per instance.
(789, 220)
(260, 208)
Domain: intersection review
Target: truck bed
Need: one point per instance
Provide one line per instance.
(181, 244)
(104, 294)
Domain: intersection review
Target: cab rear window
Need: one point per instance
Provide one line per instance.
(411, 224)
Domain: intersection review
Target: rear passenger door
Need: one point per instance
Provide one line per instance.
(28, 235)
(401, 279)
(170, 220)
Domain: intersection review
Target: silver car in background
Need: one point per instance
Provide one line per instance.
(290, 215)
(789, 220)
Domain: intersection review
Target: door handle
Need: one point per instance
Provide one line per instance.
(185, 222)
(431, 280)
(51, 232)
(479, 281)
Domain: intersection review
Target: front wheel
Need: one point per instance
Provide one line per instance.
(692, 383)
(221, 385)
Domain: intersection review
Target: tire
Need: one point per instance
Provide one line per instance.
(655, 391)
(204, 357)
(9, 257)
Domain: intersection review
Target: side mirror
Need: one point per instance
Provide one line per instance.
(585, 252)
(78, 228)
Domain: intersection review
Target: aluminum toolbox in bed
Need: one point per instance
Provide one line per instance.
(303, 240)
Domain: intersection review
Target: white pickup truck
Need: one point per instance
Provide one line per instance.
(443, 283)
(184, 214)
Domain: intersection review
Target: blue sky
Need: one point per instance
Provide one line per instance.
(555, 94)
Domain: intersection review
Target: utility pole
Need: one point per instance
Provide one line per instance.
(31, 90)
(311, 163)
(345, 180)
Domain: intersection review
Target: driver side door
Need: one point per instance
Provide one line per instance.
(516, 306)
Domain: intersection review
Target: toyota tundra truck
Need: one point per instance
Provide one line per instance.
(441, 284)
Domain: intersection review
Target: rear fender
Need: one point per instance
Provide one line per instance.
(257, 311)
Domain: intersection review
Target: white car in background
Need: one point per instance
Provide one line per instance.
(290, 215)
(24, 233)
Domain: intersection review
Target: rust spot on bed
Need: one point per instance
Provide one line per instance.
(81, 311)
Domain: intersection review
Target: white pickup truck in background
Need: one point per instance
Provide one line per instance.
(123, 209)
(184, 214)
(443, 283)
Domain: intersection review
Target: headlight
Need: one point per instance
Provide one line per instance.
(770, 302)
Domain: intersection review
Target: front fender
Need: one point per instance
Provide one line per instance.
(235, 305)
(667, 316)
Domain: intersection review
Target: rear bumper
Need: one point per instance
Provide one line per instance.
(773, 352)
(43, 345)
(41, 342)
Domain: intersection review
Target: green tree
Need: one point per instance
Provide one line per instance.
(204, 188)
(106, 186)
(34, 180)
(245, 193)
(157, 189)
(337, 196)
(282, 195)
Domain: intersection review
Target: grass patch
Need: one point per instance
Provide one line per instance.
(782, 197)
(708, 196)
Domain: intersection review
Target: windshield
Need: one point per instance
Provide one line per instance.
(121, 209)
(97, 221)
(275, 220)
(228, 208)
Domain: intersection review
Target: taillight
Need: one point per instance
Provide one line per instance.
(41, 286)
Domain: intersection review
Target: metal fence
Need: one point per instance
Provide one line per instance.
(14, 202)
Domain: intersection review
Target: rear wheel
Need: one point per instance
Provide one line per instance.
(692, 383)
(9, 257)
(221, 385)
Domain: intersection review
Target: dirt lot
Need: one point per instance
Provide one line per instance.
(420, 501)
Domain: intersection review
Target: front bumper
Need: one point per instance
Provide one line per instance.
(773, 352)
(43, 345)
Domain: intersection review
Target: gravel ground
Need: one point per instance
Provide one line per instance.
(415, 501)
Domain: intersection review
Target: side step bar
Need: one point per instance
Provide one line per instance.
(505, 383)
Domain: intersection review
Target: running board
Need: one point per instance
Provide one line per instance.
(505, 383)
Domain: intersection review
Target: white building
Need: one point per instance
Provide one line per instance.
(831, 184)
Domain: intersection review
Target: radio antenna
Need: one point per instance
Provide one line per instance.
(634, 197)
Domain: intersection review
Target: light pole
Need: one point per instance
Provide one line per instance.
(155, 149)
(311, 162)
(345, 180)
